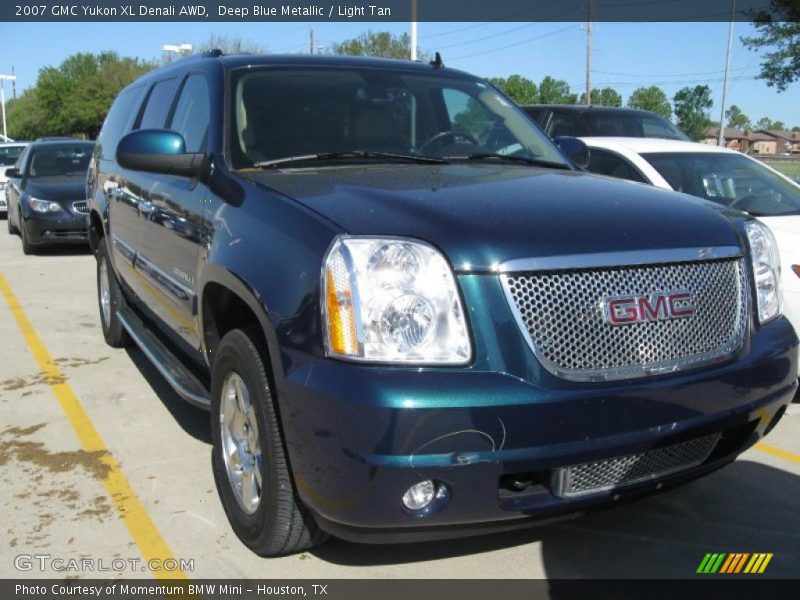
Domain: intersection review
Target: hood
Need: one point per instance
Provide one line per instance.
(58, 189)
(481, 215)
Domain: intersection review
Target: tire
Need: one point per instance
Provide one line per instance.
(278, 523)
(27, 247)
(12, 229)
(108, 289)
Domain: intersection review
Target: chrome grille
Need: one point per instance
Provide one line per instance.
(562, 315)
(603, 475)
(81, 207)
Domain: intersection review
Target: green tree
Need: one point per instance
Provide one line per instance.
(520, 89)
(734, 117)
(651, 98)
(379, 44)
(763, 123)
(779, 126)
(796, 128)
(555, 91)
(74, 97)
(603, 97)
(692, 106)
(779, 34)
(26, 120)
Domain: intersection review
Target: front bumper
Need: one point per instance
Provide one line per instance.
(358, 436)
(59, 228)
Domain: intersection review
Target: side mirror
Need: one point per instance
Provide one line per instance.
(159, 151)
(574, 149)
(12, 173)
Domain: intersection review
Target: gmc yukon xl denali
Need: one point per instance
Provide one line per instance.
(409, 314)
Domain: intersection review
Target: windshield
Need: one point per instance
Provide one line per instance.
(632, 125)
(9, 154)
(729, 179)
(279, 113)
(58, 160)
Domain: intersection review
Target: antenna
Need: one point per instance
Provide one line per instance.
(437, 61)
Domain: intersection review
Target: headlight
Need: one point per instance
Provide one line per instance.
(766, 269)
(392, 300)
(3, 185)
(43, 206)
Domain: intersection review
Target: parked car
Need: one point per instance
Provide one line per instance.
(47, 194)
(9, 152)
(410, 316)
(580, 120)
(723, 176)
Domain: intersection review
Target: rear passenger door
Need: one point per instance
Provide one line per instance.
(173, 228)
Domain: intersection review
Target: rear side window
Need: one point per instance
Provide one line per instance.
(158, 104)
(565, 124)
(118, 122)
(603, 162)
(192, 113)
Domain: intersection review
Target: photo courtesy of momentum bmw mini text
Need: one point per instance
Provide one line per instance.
(416, 298)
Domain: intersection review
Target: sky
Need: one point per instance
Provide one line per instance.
(626, 55)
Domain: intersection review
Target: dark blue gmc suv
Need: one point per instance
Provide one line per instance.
(410, 314)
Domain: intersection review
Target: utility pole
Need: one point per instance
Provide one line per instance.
(721, 139)
(413, 29)
(3, 102)
(588, 96)
(14, 83)
(311, 40)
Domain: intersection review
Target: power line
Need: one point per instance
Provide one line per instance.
(482, 52)
(684, 82)
(669, 74)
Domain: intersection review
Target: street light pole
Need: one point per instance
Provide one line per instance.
(413, 29)
(3, 101)
(721, 138)
(588, 96)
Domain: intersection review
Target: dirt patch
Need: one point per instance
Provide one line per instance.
(35, 453)
(42, 378)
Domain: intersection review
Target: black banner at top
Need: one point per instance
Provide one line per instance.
(388, 10)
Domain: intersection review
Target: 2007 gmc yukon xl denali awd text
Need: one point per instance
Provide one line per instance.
(410, 316)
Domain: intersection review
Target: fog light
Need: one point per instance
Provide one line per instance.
(420, 495)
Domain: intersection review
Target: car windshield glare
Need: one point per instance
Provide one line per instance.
(732, 180)
(279, 113)
(60, 160)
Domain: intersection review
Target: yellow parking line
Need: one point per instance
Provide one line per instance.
(133, 514)
(779, 452)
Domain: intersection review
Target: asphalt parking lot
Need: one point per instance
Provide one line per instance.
(100, 459)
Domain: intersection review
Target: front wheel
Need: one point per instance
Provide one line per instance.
(248, 457)
(27, 247)
(109, 300)
(12, 229)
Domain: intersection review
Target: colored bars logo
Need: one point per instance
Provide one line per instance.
(734, 563)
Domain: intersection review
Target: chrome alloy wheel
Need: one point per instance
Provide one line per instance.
(241, 446)
(105, 293)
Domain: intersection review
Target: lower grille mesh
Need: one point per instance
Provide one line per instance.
(603, 475)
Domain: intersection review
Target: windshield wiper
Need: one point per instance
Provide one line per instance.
(353, 154)
(536, 162)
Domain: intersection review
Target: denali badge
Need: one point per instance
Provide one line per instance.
(658, 306)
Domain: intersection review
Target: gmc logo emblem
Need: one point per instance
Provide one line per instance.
(658, 306)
